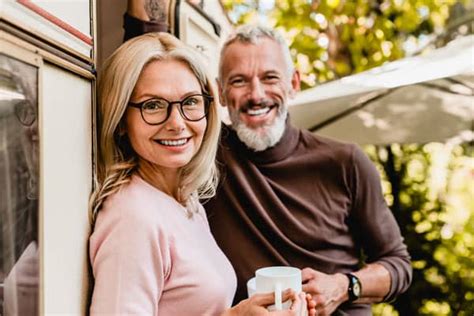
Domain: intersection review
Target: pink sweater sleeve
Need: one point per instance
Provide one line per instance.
(130, 260)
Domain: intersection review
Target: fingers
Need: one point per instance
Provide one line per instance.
(309, 287)
(319, 304)
(309, 301)
(310, 305)
(300, 304)
(322, 305)
(296, 307)
(320, 300)
(297, 301)
(289, 294)
(269, 298)
(307, 274)
(263, 299)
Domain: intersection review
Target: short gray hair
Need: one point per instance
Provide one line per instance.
(252, 34)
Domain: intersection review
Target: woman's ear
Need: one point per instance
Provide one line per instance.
(121, 130)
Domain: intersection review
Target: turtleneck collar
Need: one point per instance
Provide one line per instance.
(285, 146)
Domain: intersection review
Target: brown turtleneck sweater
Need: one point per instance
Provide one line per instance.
(307, 202)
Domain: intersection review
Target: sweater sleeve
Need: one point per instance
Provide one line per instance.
(376, 227)
(130, 261)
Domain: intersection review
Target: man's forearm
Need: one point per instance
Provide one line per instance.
(375, 280)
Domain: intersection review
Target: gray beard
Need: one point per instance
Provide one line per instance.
(266, 136)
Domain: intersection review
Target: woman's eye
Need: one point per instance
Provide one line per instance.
(155, 105)
(191, 101)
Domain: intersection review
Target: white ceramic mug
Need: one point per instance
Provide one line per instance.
(276, 279)
(251, 287)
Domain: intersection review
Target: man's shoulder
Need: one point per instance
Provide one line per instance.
(323, 144)
(348, 154)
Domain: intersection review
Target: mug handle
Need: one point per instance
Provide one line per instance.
(278, 303)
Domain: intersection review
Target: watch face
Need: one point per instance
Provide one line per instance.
(356, 289)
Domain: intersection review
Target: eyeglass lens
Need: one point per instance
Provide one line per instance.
(192, 108)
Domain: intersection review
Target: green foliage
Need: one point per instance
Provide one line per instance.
(334, 38)
(430, 189)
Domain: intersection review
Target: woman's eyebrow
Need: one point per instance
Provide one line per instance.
(156, 96)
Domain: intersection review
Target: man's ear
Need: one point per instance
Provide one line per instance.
(295, 83)
(221, 92)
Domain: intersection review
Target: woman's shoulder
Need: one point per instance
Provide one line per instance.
(133, 220)
(136, 201)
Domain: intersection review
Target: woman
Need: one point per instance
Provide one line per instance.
(151, 250)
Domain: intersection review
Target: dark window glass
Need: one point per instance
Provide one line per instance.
(19, 152)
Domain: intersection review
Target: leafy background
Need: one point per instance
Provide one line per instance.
(429, 187)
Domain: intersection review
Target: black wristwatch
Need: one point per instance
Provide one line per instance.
(355, 288)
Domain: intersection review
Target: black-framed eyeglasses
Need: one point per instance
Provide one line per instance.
(157, 110)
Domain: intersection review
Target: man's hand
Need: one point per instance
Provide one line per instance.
(328, 290)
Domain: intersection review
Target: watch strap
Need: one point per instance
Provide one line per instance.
(355, 288)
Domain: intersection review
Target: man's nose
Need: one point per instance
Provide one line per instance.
(257, 90)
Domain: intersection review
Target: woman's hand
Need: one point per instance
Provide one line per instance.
(310, 305)
(258, 303)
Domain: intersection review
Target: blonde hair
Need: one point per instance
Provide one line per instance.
(116, 158)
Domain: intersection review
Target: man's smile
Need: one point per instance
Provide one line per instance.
(256, 111)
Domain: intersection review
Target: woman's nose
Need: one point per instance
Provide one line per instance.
(175, 121)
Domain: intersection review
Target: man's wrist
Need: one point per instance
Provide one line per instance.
(343, 282)
(354, 290)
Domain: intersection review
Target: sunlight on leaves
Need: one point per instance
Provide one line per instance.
(429, 187)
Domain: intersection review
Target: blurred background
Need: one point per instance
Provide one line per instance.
(429, 185)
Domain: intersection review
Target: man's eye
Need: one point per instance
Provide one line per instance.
(271, 78)
(237, 82)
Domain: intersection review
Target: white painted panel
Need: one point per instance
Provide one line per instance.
(24, 17)
(74, 12)
(199, 33)
(66, 150)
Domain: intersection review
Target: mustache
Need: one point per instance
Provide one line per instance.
(263, 103)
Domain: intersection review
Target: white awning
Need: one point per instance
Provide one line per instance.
(413, 100)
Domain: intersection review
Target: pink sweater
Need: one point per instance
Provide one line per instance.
(149, 258)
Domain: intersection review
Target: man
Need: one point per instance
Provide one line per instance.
(287, 197)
